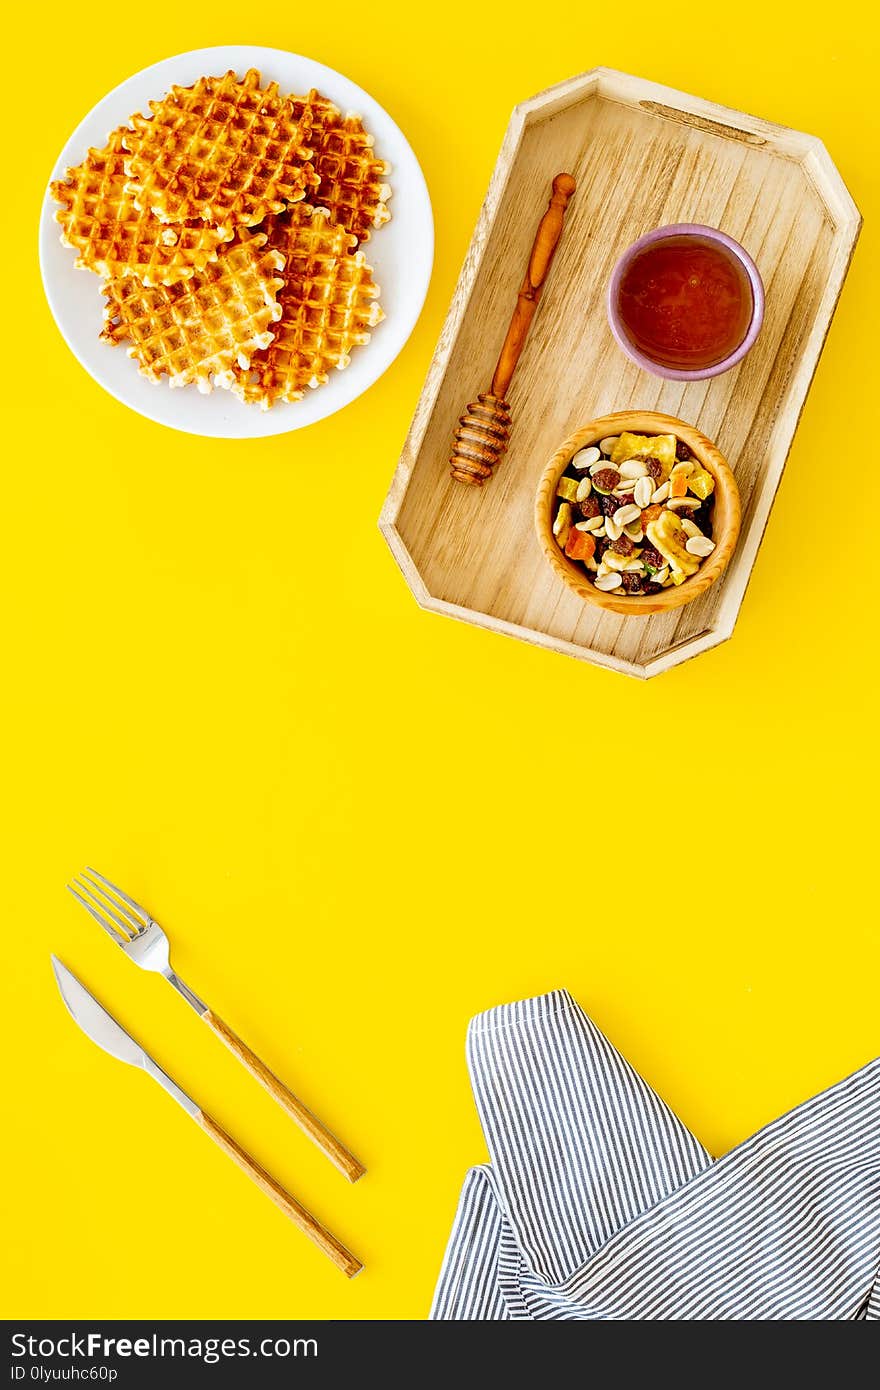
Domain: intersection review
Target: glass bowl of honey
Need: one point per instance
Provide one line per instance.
(686, 302)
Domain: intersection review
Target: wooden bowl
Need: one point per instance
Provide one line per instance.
(725, 516)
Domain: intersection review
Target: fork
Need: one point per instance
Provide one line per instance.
(144, 941)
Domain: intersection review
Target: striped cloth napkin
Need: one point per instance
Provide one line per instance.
(599, 1203)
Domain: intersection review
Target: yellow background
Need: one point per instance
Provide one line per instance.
(350, 815)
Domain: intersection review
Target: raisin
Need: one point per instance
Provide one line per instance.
(609, 505)
(589, 507)
(602, 545)
(652, 588)
(652, 557)
(606, 480)
(703, 516)
(628, 500)
(622, 546)
(655, 468)
(682, 452)
(632, 582)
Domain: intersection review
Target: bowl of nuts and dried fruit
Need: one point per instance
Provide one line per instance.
(638, 512)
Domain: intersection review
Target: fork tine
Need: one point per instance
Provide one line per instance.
(104, 903)
(143, 917)
(102, 921)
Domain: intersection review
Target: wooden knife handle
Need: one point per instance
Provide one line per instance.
(308, 1224)
(309, 1123)
(546, 241)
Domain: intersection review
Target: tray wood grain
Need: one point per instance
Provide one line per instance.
(643, 155)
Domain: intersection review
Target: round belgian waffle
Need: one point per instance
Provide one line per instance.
(328, 305)
(202, 327)
(226, 151)
(99, 220)
(352, 179)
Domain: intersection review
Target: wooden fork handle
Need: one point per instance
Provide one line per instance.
(308, 1224)
(543, 250)
(308, 1123)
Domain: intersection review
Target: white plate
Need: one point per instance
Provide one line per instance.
(401, 254)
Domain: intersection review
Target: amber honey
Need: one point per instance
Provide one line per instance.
(685, 302)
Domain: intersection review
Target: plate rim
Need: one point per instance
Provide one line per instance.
(259, 56)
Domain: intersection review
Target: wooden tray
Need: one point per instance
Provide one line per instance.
(643, 155)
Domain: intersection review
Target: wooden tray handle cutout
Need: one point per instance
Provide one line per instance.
(484, 430)
(302, 1219)
(319, 1134)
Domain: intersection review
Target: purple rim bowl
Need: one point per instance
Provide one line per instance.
(705, 234)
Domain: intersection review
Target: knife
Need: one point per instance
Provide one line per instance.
(103, 1029)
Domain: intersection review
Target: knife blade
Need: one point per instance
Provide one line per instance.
(110, 1036)
(103, 1029)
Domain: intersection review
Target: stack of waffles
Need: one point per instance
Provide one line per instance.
(228, 228)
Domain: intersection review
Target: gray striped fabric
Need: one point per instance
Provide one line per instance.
(599, 1203)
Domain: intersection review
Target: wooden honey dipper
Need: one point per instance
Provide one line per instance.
(482, 433)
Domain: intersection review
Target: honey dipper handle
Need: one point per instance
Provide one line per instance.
(546, 241)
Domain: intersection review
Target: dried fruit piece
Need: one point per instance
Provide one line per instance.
(567, 488)
(655, 468)
(678, 485)
(623, 546)
(562, 524)
(649, 514)
(632, 582)
(608, 504)
(652, 558)
(606, 480)
(660, 447)
(614, 561)
(701, 483)
(579, 545)
(666, 535)
(590, 507)
(682, 452)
